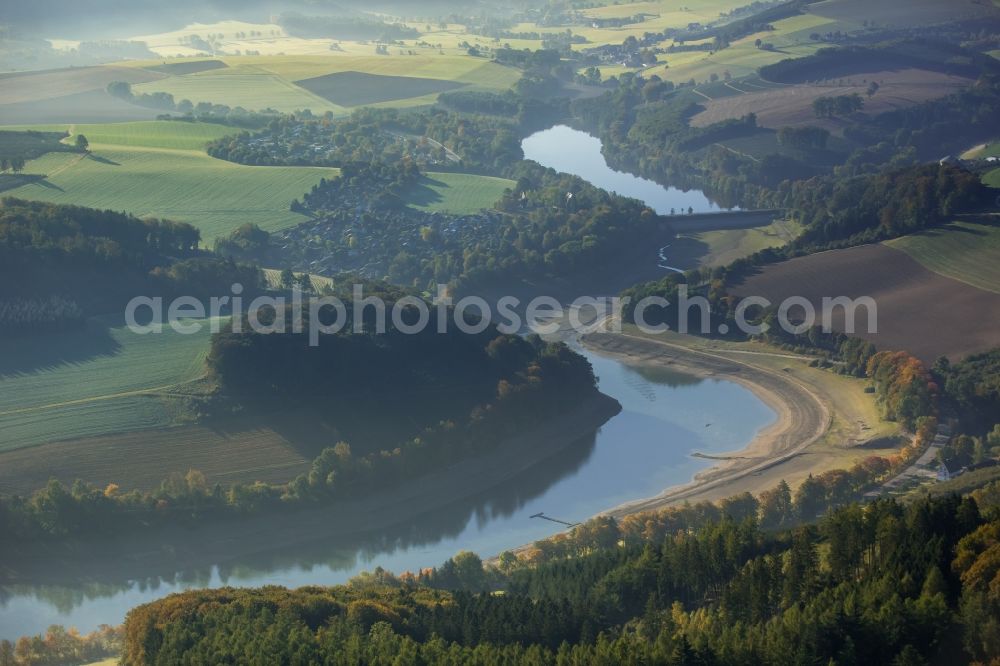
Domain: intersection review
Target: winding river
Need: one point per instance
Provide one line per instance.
(571, 151)
(644, 449)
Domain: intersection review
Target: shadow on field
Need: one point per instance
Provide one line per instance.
(422, 194)
(45, 183)
(103, 160)
(686, 252)
(25, 355)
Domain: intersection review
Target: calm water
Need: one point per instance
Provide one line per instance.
(571, 151)
(638, 453)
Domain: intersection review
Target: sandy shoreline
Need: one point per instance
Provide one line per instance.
(178, 548)
(801, 416)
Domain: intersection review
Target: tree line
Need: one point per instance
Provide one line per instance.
(890, 584)
(72, 261)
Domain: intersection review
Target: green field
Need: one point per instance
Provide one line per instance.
(992, 178)
(723, 246)
(153, 134)
(231, 87)
(458, 193)
(352, 89)
(178, 135)
(259, 82)
(135, 173)
(965, 251)
(90, 382)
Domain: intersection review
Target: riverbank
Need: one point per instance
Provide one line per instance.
(166, 552)
(823, 420)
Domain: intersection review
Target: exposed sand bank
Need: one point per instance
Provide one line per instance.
(802, 416)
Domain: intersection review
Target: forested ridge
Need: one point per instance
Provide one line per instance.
(881, 583)
(61, 263)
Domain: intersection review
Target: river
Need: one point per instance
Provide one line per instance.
(638, 453)
(571, 151)
(647, 447)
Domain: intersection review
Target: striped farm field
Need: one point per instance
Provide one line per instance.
(153, 134)
(158, 169)
(95, 381)
(178, 135)
(965, 251)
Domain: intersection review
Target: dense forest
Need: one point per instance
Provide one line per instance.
(64, 262)
(881, 583)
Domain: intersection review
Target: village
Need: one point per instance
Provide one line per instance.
(361, 224)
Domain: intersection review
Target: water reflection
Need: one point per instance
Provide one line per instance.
(574, 152)
(636, 454)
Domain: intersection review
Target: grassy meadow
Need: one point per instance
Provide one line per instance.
(458, 193)
(723, 246)
(965, 251)
(92, 381)
(158, 168)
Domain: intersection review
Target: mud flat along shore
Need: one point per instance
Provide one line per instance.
(802, 416)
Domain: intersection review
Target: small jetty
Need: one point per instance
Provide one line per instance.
(542, 515)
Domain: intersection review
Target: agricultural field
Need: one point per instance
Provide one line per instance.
(723, 246)
(33, 86)
(254, 91)
(187, 67)
(919, 310)
(743, 58)
(792, 36)
(963, 250)
(183, 183)
(146, 134)
(259, 82)
(792, 105)
(764, 142)
(94, 381)
(903, 13)
(70, 95)
(142, 459)
(358, 89)
(458, 193)
(175, 43)
(92, 106)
